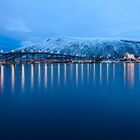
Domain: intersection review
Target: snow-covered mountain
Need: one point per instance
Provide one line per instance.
(81, 46)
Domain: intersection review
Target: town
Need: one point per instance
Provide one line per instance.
(46, 57)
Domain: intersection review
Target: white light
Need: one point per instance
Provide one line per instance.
(1, 51)
(12, 51)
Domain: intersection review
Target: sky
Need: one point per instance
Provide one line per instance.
(34, 20)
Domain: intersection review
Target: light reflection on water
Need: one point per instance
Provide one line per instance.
(88, 69)
(139, 72)
(13, 77)
(113, 72)
(2, 77)
(124, 73)
(39, 76)
(100, 73)
(58, 74)
(131, 75)
(45, 75)
(82, 73)
(94, 70)
(71, 71)
(22, 77)
(32, 76)
(107, 72)
(52, 74)
(77, 74)
(83, 98)
(104, 74)
(65, 74)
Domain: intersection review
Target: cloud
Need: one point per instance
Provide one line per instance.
(17, 25)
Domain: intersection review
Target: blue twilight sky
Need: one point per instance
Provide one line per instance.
(38, 19)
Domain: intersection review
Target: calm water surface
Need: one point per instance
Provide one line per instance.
(70, 102)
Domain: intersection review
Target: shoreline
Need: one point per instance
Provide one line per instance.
(75, 62)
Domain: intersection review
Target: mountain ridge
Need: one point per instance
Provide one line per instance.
(85, 46)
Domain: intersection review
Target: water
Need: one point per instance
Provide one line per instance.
(70, 102)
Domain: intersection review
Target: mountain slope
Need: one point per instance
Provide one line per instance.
(90, 47)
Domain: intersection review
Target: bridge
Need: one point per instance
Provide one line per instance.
(40, 56)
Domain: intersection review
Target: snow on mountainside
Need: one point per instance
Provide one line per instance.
(90, 47)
